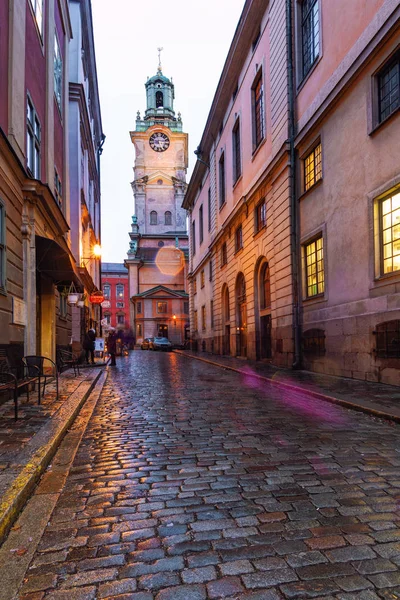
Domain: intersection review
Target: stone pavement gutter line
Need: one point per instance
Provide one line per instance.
(301, 389)
(39, 452)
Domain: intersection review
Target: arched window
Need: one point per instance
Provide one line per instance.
(265, 287)
(159, 99)
(153, 217)
(168, 218)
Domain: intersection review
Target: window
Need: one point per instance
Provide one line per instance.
(186, 307)
(195, 323)
(238, 238)
(315, 267)
(120, 304)
(390, 233)
(211, 270)
(237, 159)
(265, 288)
(120, 319)
(258, 111)
(389, 89)
(388, 339)
(202, 279)
(168, 218)
(201, 224)
(153, 217)
(221, 171)
(313, 167)
(58, 73)
(57, 188)
(37, 6)
(309, 33)
(209, 209)
(261, 215)
(224, 255)
(212, 313)
(119, 290)
(255, 41)
(139, 308)
(161, 307)
(159, 99)
(63, 306)
(139, 330)
(203, 317)
(194, 237)
(107, 317)
(106, 291)
(194, 285)
(314, 342)
(33, 139)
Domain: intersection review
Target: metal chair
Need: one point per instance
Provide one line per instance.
(45, 366)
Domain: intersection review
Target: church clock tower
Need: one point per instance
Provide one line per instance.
(158, 250)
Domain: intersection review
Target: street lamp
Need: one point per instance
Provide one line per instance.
(96, 253)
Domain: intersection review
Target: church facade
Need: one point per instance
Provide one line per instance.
(157, 259)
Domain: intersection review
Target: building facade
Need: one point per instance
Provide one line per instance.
(158, 252)
(239, 201)
(294, 212)
(114, 277)
(38, 266)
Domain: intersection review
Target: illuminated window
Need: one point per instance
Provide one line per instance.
(309, 33)
(314, 252)
(390, 233)
(119, 290)
(37, 6)
(237, 158)
(161, 307)
(224, 255)
(313, 167)
(261, 215)
(153, 217)
(203, 317)
(258, 111)
(389, 89)
(139, 330)
(202, 278)
(238, 238)
(58, 73)
(33, 140)
(106, 291)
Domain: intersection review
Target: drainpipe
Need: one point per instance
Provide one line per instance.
(292, 188)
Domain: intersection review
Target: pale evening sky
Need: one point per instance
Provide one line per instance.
(196, 37)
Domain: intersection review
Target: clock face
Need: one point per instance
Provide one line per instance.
(159, 141)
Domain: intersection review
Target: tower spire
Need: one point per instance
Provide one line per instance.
(159, 69)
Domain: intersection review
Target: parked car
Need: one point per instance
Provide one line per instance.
(162, 343)
(147, 344)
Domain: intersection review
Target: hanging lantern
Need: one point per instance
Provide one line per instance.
(81, 301)
(73, 295)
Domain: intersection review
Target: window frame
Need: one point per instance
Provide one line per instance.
(380, 202)
(259, 221)
(33, 140)
(258, 111)
(162, 304)
(209, 208)
(139, 308)
(202, 278)
(153, 217)
(306, 69)
(390, 62)
(314, 152)
(39, 22)
(58, 66)
(211, 269)
(201, 230)
(238, 238)
(222, 180)
(107, 291)
(118, 288)
(224, 254)
(203, 317)
(168, 217)
(193, 237)
(313, 240)
(236, 152)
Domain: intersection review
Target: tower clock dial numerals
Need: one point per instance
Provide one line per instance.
(159, 142)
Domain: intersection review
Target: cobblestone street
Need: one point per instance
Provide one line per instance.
(196, 483)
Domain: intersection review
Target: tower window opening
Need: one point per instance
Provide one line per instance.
(159, 99)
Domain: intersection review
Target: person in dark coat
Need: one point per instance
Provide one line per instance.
(88, 345)
(112, 345)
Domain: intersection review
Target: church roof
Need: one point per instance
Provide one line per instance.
(158, 77)
(163, 290)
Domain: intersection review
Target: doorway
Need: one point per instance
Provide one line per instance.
(265, 330)
(163, 331)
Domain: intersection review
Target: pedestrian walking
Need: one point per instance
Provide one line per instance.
(88, 345)
(112, 345)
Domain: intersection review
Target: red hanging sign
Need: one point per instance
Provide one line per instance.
(96, 297)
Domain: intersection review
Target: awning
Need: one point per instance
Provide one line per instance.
(56, 262)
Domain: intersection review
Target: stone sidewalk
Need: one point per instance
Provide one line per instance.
(28, 444)
(377, 399)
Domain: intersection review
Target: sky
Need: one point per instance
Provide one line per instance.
(195, 37)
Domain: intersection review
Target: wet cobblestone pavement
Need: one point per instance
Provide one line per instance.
(195, 483)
